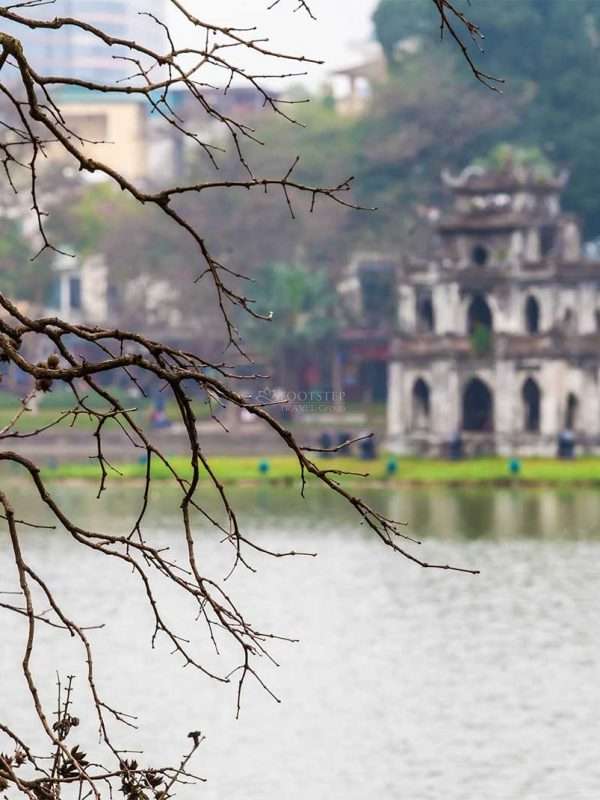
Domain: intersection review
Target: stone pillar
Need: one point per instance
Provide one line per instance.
(446, 306)
(407, 312)
(506, 304)
(445, 400)
(517, 246)
(508, 411)
(532, 245)
(589, 403)
(395, 406)
(551, 383)
(571, 242)
(545, 297)
(586, 308)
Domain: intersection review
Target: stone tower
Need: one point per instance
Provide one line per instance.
(498, 335)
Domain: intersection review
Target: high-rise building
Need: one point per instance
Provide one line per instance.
(73, 52)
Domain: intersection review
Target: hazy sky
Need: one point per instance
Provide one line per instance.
(342, 26)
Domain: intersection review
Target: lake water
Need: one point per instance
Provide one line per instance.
(407, 683)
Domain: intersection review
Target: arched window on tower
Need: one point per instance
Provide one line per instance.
(569, 323)
(421, 405)
(571, 412)
(480, 255)
(532, 315)
(547, 239)
(480, 325)
(531, 405)
(479, 313)
(425, 315)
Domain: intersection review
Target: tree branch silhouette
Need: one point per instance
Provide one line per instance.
(33, 118)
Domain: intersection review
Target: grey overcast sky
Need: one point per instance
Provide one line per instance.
(341, 29)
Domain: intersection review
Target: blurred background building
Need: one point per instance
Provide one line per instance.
(72, 52)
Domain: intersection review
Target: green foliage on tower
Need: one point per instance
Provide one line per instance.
(481, 340)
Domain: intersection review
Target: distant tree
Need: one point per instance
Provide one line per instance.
(321, 234)
(397, 20)
(417, 124)
(20, 276)
(548, 53)
(303, 305)
(140, 248)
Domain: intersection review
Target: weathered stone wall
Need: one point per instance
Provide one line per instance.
(447, 380)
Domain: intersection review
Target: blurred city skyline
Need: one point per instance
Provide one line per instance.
(337, 42)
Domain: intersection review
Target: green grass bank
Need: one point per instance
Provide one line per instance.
(248, 469)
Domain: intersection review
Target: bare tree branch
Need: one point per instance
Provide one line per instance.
(33, 119)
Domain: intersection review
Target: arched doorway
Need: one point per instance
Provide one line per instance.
(571, 412)
(478, 407)
(479, 314)
(531, 405)
(421, 405)
(532, 315)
